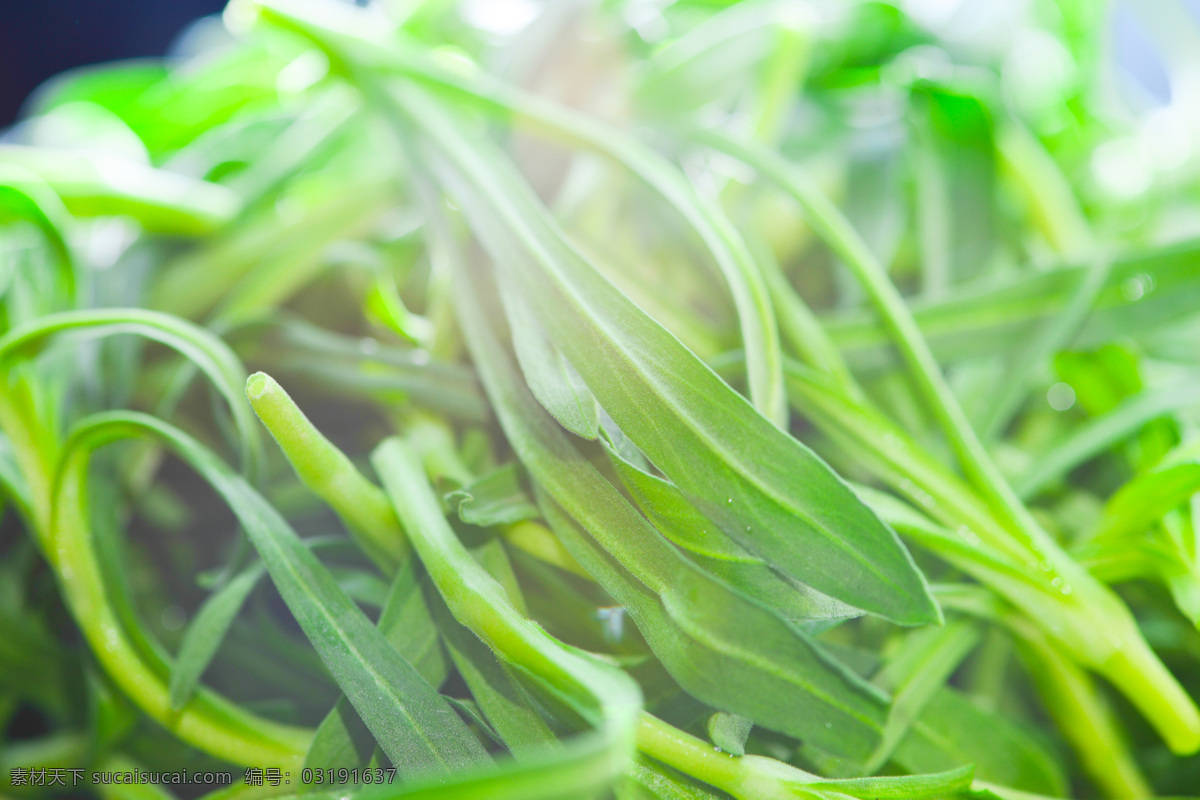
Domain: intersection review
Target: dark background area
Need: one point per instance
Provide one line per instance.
(41, 39)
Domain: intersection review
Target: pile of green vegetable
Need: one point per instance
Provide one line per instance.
(665, 400)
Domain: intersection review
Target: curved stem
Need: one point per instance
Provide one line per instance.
(326, 470)
(208, 721)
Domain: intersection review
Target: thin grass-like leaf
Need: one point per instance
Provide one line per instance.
(665, 506)
(1147, 498)
(205, 632)
(915, 674)
(677, 601)
(982, 318)
(507, 706)
(768, 492)
(409, 719)
(602, 696)
(207, 721)
(550, 376)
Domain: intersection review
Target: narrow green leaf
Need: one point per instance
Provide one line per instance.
(948, 732)
(411, 722)
(603, 696)
(508, 708)
(406, 622)
(768, 492)
(1147, 498)
(665, 506)
(923, 665)
(976, 462)
(700, 627)
(551, 378)
(674, 516)
(205, 633)
(785, 683)
(341, 741)
(353, 38)
(364, 587)
(132, 660)
(983, 319)
(906, 787)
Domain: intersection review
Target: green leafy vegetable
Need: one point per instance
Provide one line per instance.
(684, 400)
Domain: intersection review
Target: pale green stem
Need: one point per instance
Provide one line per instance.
(1051, 203)
(744, 777)
(207, 721)
(1070, 696)
(1084, 719)
(328, 472)
(783, 73)
(35, 452)
(61, 522)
